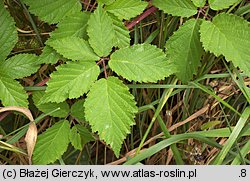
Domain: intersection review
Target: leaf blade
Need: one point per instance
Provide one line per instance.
(122, 36)
(113, 116)
(49, 55)
(105, 1)
(233, 137)
(52, 11)
(74, 48)
(228, 35)
(52, 143)
(19, 66)
(75, 138)
(12, 93)
(101, 24)
(126, 9)
(8, 33)
(86, 135)
(219, 4)
(77, 110)
(184, 8)
(184, 49)
(75, 25)
(49, 107)
(71, 80)
(199, 3)
(142, 63)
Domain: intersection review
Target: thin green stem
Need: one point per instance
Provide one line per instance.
(176, 152)
(32, 24)
(162, 102)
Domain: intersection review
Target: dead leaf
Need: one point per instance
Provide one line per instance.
(31, 135)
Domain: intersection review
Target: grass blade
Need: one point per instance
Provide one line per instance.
(233, 137)
(244, 151)
(165, 143)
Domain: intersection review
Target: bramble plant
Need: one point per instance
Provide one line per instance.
(97, 60)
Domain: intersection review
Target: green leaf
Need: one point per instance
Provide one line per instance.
(105, 1)
(122, 36)
(210, 124)
(71, 80)
(199, 3)
(74, 25)
(74, 48)
(77, 110)
(110, 110)
(242, 10)
(244, 152)
(48, 107)
(221, 4)
(75, 138)
(184, 49)
(49, 55)
(19, 66)
(233, 137)
(168, 142)
(79, 136)
(52, 143)
(71, 26)
(52, 11)
(86, 135)
(127, 9)
(8, 33)
(228, 35)
(142, 63)
(101, 32)
(11, 92)
(184, 8)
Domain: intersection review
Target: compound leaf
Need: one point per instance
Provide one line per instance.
(126, 9)
(74, 48)
(8, 33)
(48, 107)
(142, 63)
(52, 143)
(114, 114)
(19, 66)
(184, 49)
(101, 32)
(11, 92)
(184, 8)
(221, 4)
(71, 80)
(228, 35)
(52, 11)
